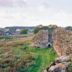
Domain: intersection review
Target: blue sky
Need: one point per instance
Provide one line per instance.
(35, 12)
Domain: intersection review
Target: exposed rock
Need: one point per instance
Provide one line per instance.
(45, 70)
(59, 65)
(64, 59)
(57, 68)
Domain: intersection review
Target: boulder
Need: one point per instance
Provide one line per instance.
(64, 59)
(57, 68)
(60, 64)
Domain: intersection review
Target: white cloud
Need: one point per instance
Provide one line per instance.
(33, 12)
(16, 16)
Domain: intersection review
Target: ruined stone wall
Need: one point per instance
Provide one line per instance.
(41, 39)
(62, 41)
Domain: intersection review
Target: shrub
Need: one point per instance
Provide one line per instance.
(24, 31)
(70, 68)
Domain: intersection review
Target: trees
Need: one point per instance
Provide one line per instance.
(36, 30)
(24, 31)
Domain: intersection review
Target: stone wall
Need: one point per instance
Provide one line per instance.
(41, 39)
(62, 41)
(58, 37)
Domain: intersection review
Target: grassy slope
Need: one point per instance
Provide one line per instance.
(43, 57)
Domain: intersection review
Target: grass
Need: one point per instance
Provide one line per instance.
(42, 57)
(5, 37)
(70, 68)
(16, 56)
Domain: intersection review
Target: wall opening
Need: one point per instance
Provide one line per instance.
(49, 45)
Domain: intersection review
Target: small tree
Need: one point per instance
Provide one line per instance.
(36, 30)
(24, 31)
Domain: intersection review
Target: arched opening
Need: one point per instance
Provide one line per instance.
(49, 45)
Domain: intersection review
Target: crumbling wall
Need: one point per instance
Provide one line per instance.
(62, 44)
(41, 39)
(62, 41)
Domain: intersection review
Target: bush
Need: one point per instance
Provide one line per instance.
(70, 68)
(36, 30)
(24, 31)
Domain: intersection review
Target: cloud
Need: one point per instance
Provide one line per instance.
(5, 2)
(34, 12)
(18, 17)
(12, 3)
(23, 3)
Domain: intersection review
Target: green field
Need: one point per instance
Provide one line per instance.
(41, 58)
(24, 58)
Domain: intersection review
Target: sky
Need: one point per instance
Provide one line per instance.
(35, 12)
